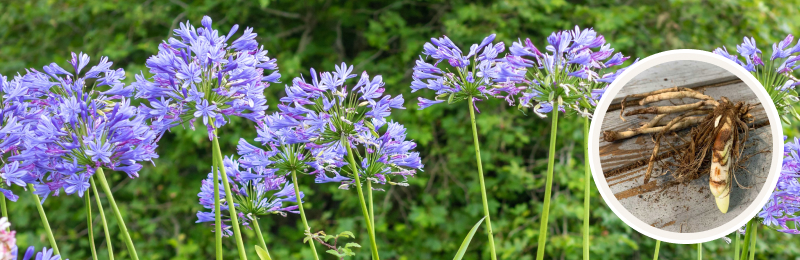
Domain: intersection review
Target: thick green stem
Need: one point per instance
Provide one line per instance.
(261, 237)
(587, 193)
(45, 223)
(229, 198)
(548, 187)
(371, 206)
(110, 197)
(658, 246)
(753, 239)
(217, 209)
(373, 244)
(102, 219)
(303, 214)
(700, 251)
(747, 234)
(736, 246)
(486, 214)
(89, 224)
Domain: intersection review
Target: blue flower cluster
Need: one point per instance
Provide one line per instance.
(471, 75)
(775, 74)
(784, 203)
(201, 75)
(573, 72)
(59, 126)
(307, 136)
(256, 193)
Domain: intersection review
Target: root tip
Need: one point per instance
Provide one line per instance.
(610, 136)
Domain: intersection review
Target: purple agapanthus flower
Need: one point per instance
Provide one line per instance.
(776, 74)
(72, 124)
(468, 76)
(781, 212)
(327, 118)
(386, 155)
(572, 72)
(201, 73)
(256, 193)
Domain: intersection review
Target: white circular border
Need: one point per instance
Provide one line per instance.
(738, 221)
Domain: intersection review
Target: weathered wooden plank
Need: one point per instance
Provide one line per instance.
(687, 207)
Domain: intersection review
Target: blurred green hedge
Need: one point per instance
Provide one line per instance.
(429, 219)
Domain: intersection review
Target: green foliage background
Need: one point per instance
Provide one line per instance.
(429, 219)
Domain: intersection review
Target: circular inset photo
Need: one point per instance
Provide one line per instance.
(686, 146)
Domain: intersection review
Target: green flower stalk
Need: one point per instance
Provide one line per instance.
(658, 246)
(110, 197)
(89, 224)
(700, 251)
(469, 78)
(102, 219)
(45, 223)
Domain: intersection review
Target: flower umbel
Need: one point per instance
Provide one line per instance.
(200, 74)
(468, 76)
(257, 193)
(776, 74)
(74, 124)
(781, 212)
(573, 72)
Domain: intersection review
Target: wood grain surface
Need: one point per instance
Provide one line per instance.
(687, 207)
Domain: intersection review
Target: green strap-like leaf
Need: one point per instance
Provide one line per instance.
(464, 245)
(262, 254)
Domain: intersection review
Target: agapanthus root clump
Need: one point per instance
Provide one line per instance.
(716, 140)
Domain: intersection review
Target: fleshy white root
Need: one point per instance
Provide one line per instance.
(721, 162)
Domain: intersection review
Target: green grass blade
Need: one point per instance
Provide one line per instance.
(464, 245)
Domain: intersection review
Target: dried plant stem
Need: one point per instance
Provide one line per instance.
(261, 238)
(102, 219)
(586, 189)
(548, 187)
(484, 199)
(89, 224)
(45, 223)
(364, 211)
(120, 220)
(658, 246)
(302, 214)
(237, 233)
